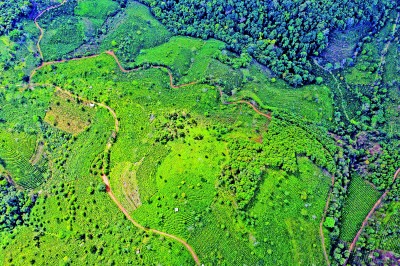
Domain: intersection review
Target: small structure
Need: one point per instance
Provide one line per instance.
(176, 209)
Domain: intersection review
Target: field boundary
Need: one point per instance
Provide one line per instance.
(371, 212)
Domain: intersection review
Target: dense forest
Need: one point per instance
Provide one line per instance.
(280, 34)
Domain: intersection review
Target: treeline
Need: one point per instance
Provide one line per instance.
(280, 148)
(280, 34)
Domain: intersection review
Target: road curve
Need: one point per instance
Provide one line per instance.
(134, 222)
(40, 28)
(112, 112)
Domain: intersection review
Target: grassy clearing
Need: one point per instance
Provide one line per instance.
(125, 176)
(361, 198)
(342, 43)
(67, 115)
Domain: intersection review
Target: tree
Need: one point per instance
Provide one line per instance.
(329, 222)
(102, 187)
(319, 80)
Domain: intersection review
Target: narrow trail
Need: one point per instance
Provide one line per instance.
(107, 182)
(116, 126)
(134, 222)
(33, 72)
(105, 179)
(379, 201)
(321, 224)
(371, 212)
(40, 28)
(221, 94)
(171, 77)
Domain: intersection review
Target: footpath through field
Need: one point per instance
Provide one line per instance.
(114, 115)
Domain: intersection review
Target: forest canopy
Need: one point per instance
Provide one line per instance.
(280, 34)
(11, 12)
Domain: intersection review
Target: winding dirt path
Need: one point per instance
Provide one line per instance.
(171, 77)
(114, 115)
(379, 201)
(221, 94)
(40, 28)
(134, 222)
(107, 182)
(33, 72)
(116, 126)
(371, 212)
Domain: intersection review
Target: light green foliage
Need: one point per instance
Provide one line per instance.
(361, 198)
(287, 212)
(171, 151)
(97, 9)
(63, 35)
(181, 172)
(64, 220)
(188, 58)
(67, 114)
(389, 223)
(329, 222)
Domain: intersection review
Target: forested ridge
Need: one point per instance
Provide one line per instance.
(280, 34)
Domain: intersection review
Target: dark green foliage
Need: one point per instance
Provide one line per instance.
(172, 126)
(280, 34)
(101, 187)
(11, 12)
(15, 205)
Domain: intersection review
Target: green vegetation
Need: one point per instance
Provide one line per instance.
(134, 31)
(15, 205)
(138, 145)
(64, 220)
(96, 9)
(65, 114)
(281, 35)
(11, 14)
(288, 207)
(361, 197)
